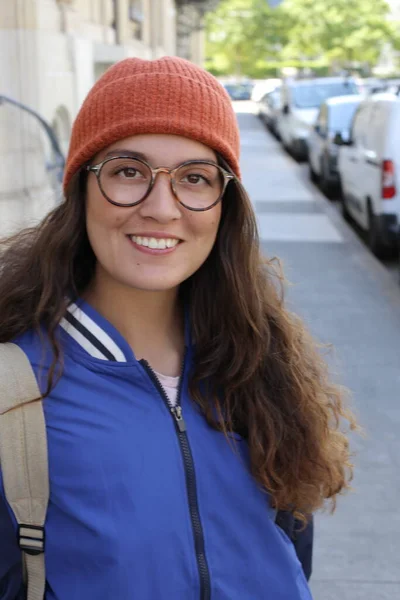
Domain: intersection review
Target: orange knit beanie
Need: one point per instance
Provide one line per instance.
(169, 95)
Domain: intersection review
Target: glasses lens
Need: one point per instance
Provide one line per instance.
(198, 185)
(125, 180)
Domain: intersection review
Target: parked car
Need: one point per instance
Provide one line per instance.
(369, 169)
(269, 108)
(263, 87)
(301, 101)
(372, 85)
(335, 116)
(239, 91)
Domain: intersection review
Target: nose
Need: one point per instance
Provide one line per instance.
(161, 204)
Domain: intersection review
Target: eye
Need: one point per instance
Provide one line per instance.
(127, 172)
(195, 178)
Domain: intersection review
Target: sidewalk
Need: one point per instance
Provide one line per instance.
(348, 299)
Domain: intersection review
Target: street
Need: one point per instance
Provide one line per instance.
(349, 300)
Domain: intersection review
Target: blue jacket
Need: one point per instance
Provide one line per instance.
(145, 504)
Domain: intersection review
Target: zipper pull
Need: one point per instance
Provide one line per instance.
(177, 412)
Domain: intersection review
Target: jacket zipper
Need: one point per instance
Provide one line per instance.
(190, 475)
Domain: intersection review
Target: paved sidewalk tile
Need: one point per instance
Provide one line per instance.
(297, 228)
(338, 590)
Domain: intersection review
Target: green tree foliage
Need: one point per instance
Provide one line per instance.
(344, 31)
(244, 36)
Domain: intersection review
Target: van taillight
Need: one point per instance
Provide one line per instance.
(388, 180)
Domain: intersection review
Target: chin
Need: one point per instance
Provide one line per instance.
(155, 287)
(153, 284)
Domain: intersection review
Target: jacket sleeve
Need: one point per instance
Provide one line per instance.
(303, 543)
(302, 539)
(11, 581)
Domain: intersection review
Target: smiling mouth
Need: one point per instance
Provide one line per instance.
(154, 243)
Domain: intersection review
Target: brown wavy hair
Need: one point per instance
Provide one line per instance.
(265, 373)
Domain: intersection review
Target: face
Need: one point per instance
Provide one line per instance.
(160, 216)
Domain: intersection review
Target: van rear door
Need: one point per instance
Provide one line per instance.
(374, 152)
(391, 152)
(352, 164)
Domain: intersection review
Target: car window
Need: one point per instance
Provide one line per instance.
(322, 119)
(355, 125)
(377, 124)
(274, 99)
(360, 125)
(312, 95)
(341, 115)
(285, 95)
(269, 99)
(238, 91)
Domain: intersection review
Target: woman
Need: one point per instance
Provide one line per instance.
(183, 403)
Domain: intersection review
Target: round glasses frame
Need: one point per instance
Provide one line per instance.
(227, 177)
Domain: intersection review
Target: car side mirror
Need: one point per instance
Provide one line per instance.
(317, 128)
(339, 140)
(286, 109)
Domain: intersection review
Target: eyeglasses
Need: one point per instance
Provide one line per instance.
(125, 181)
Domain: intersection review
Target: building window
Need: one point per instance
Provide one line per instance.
(136, 18)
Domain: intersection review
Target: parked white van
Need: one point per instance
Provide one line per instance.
(369, 170)
(335, 116)
(301, 100)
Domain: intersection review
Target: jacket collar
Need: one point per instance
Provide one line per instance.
(94, 333)
(97, 337)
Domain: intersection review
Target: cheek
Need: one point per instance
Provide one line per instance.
(104, 223)
(101, 215)
(205, 225)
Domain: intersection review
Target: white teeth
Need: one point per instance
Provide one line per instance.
(157, 244)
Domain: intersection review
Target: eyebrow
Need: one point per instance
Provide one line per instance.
(122, 151)
(142, 156)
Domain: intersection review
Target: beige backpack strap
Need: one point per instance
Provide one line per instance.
(24, 461)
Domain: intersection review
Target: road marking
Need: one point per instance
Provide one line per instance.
(276, 189)
(297, 228)
(288, 207)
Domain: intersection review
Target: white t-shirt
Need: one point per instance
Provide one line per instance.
(170, 385)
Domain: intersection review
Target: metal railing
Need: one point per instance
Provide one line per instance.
(56, 166)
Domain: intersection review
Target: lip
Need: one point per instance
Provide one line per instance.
(153, 251)
(158, 235)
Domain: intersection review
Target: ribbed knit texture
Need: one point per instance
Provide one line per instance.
(169, 95)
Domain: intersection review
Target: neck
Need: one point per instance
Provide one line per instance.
(151, 322)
